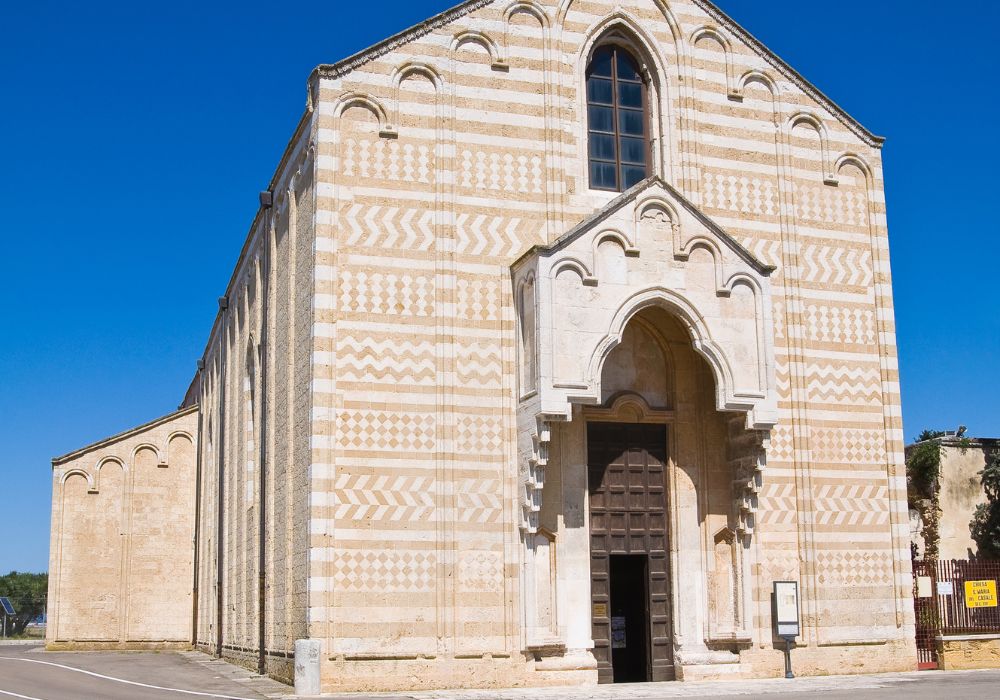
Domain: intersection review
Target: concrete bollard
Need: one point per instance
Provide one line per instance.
(307, 655)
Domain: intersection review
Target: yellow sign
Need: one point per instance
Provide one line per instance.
(980, 594)
(600, 609)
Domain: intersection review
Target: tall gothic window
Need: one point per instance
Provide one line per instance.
(617, 120)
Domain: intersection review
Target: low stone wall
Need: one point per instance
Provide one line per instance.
(968, 651)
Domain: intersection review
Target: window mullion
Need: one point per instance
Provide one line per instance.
(619, 181)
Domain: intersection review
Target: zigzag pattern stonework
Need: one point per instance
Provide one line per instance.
(398, 361)
(853, 505)
(389, 228)
(833, 383)
(360, 497)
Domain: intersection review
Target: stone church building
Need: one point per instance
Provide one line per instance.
(563, 330)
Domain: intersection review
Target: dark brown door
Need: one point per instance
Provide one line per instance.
(630, 587)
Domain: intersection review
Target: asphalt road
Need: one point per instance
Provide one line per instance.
(29, 673)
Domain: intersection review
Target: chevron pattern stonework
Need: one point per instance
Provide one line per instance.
(380, 363)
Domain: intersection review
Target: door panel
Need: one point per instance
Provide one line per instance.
(627, 478)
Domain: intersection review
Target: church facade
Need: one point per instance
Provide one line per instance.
(564, 329)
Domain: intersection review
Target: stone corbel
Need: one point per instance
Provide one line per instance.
(533, 476)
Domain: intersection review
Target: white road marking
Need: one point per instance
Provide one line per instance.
(116, 680)
(15, 695)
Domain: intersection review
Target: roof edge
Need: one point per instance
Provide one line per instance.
(632, 194)
(801, 82)
(56, 461)
(286, 157)
(348, 64)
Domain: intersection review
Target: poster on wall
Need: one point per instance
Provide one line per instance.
(786, 608)
(618, 640)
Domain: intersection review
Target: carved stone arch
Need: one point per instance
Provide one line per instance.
(757, 77)
(159, 454)
(530, 7)
(800, 118)
(103, 462)
(659, 208)
(498, 60)
(704, 243)
(628, 407)
(623, 239)
(626, 30)
(357, 99)
(91, 485)
(574, 265)
(668, 15)
(858, 162)
(692, 321)
(716, 34)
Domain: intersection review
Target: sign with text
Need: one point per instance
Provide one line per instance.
(786, 608)
(981, 594)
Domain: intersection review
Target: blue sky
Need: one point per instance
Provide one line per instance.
(137, 136)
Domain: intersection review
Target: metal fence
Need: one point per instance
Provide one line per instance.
(956, 596)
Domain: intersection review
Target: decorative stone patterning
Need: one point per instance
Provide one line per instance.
(386, 430)
(851, 504)
(839, 383)
(479, 299)
(848, 446)
(838, 568)
(396, 293)
(392, 572)
(840, 324)
(821, 203)
(480, 435)
(505, 172)
(402, 361)
(479, 500)
(748, 195)
(388, 159)
(399, 228)
(392, 498)
(481, 571)
(836, 265)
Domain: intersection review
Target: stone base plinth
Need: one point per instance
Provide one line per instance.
(430, 673)
(73, 645)
(968, 651)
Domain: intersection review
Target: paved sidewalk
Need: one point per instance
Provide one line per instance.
(924, 685)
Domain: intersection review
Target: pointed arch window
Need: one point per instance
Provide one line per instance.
(617, 120)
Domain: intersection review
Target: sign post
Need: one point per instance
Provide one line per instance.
(786, 617)
(8, 609)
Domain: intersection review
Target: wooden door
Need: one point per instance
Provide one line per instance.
(628, 517)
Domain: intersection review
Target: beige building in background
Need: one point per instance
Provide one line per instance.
(960, 490)
(563, 331)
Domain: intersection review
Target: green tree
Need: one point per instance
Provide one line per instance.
(27, 593)
(985, 525)
(923, 468)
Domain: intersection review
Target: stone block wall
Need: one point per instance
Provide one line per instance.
(255, 387)
(121, 561)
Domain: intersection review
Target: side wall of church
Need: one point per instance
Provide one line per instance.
(444, 158)
(121, 562)
(256, 386)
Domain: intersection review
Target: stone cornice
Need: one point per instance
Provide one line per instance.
(56, 461)
(340, 68)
